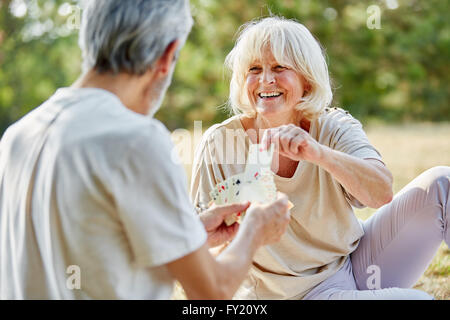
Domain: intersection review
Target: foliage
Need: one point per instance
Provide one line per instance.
(397, 73)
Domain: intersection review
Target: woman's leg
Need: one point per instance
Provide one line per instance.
(400, 241)
(402, 237)
(381, 294)
(342, 286)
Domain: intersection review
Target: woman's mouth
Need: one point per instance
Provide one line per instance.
(269, 95)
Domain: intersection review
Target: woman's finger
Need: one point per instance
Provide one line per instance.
(275, 137)
(296, 142)
(266, 139)
(294, 132)
(272, 136)
(284, 140)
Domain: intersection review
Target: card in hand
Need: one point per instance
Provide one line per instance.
(214, 194)
(222, 189)
(258, 162)
(255, 184)
(235, 183)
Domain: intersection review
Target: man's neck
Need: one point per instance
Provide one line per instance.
(125, 86)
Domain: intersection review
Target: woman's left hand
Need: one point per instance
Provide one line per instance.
(293, 142)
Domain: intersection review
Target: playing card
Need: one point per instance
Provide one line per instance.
(214, 194)
(258, 162)
(235, 183)
(222, 189)
(268, 186)
(265, 156)
(259, 156)
(255, 184)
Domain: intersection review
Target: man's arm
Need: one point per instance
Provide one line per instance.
(204, 277)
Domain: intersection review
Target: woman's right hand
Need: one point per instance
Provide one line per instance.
(293, 142)
(269, 221)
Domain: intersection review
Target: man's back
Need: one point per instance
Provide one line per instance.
(77, 189)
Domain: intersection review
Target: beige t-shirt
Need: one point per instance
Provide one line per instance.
(323, 230)
(89, 196)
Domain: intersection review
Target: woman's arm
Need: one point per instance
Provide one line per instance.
(368, 180)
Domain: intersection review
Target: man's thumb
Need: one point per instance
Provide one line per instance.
(228, 209)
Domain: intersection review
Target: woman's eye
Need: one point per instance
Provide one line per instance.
(254, 69)
(280, 68)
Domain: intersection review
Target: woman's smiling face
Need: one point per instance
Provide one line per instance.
(273, 88)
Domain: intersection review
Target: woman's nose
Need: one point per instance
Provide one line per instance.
(267, 77)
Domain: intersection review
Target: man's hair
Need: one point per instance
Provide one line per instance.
(292, 45)
(129, 36)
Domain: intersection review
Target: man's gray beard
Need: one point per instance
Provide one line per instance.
(159, 90)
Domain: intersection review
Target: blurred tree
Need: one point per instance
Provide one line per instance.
(399, 72)
(38, 54)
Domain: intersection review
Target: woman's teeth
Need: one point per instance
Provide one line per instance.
(269, 94)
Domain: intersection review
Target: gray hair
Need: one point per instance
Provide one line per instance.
(129, 36)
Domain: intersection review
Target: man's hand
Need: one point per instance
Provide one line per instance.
(213, 221)
(204, 277)
(269, 221)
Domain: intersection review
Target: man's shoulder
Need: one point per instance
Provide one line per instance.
(141, 136)
(126, 130)
(133, 151)
(98, 119)
(95, 126)
(93, 113)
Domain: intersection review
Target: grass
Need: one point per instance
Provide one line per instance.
(408, 150)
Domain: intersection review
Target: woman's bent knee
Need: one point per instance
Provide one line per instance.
(439, 175)
(434, 181)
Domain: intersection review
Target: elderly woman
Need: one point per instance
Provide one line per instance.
(280, 93)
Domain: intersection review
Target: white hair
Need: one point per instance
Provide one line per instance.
(129, 36)
(292, 45)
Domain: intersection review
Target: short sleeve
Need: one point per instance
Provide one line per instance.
(349, 137)
(153, 202)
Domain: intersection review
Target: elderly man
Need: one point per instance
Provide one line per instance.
(88, 191)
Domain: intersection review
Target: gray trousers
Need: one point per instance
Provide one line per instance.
(399, 242)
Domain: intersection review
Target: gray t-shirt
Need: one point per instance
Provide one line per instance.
(89, 189)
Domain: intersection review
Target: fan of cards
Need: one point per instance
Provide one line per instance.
(255, 184)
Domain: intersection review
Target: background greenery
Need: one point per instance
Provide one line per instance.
(398, 73)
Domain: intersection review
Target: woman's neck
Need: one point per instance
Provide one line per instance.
(266, 122)
(256, 126)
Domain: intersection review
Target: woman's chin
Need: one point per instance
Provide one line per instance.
(271, 110)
